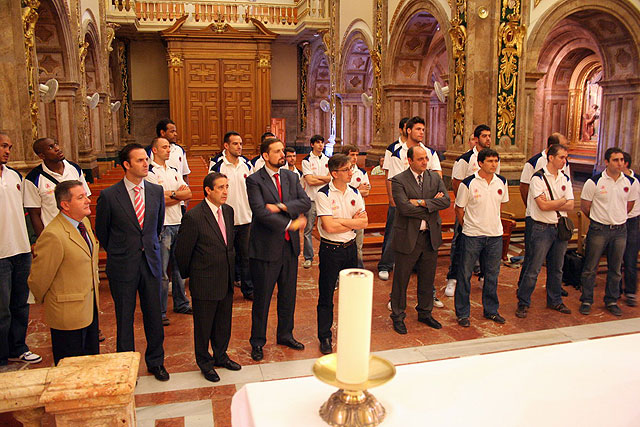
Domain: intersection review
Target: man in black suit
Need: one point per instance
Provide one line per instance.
(418, 194)
(129, 219)
(205, 253)
(278, 203)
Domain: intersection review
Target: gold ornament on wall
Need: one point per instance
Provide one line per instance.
(111, 34)
(29, 19)
(264, 62)
(175, 60)
(376, 60)
(305, 58)
(458, 34)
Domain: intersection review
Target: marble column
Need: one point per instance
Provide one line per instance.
(65, 105)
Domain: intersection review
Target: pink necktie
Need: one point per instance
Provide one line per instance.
(138, 205)
(223, 229)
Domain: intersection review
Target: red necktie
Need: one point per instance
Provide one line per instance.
(138, 205)
(277, 177)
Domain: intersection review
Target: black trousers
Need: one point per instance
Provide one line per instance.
(124, 300)
(241, 245)
(211, 324)
(265, 274)
(76, 342)
(333, 259)
(424, 258)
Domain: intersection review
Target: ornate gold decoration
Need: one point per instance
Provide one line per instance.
(376, 62)
(305, 57)
(29, 19)
(458, 34)
(83, 47)
(123, 61)
(111, 34)
(175, 60)
(264, 61)
(330, 40)
(510, 38)
(536, 3)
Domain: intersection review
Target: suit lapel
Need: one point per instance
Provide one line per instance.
(74, 235)
(284, 183)
(212, 220)
(268, 182)
(125, 202)
(414, 184)
(228, 222)
(148, 208)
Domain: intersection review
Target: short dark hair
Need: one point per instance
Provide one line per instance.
(337, 161)
(155, 140)
(627, 159)
(553, 149)
(210, 180)
(553, 139)
(414, 121)
(403, 121)
(125, 153)
(162, 125)
(289, 150)
(411, 151)
(39, 142)
(228, 135)
(487, 152)
(266, 135)
(316, 138)
(62, 191)
(479, 129)
(610, 151)
(349, 148)
(264, 146)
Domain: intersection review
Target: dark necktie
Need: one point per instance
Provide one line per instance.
(277, 177)
(420, 182)
(84, 234)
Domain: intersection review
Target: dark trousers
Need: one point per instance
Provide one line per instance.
(388, 254)
(76, 342)
(528, 227)
(630, 258)
(333, 259)
(14, 309)
(455, 254)
(124, 300)
(424, 258)
(241, 245)
(265, 274)
(211, 324)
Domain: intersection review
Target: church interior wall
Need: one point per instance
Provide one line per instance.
(284, 64)
(351, 11)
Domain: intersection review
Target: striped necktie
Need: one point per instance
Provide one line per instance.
(138, 205)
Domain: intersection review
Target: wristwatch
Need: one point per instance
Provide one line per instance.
(421, 202)
(173, 195)
(281, 206)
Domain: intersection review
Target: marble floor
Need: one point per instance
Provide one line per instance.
(189, 400)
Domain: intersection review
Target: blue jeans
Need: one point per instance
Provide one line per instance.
(600, 239)
(543, 245)
(455, 254)
(308, 243)
(388, 254)
(528, 225)
(167, 251)
(630, 257)
(489, 251)
(241, 245)
(14, 309)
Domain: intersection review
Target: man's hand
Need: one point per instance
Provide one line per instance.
(183, 187)
(414, 202)
(360, 214)
(272, 208)
(438, 195)
(298, 224)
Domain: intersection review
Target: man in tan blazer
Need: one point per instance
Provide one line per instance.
(64, 275)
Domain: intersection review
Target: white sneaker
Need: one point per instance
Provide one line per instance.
(306, 263)
(389, 305)
(383, 275)
(27, 357)
(481, 280)
(437, 303)
(450, 290)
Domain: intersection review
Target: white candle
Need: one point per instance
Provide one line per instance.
(354, 325)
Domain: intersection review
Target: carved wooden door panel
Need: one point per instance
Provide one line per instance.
(203, 104)
(239, 99)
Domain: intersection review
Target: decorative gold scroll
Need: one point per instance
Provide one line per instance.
(376, 60)
(305, 58)
(123, 61)
(29, 19)
(458, 34)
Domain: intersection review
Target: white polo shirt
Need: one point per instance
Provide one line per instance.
(561, 186)
(481, 201)
(609, 197)
(256, 163)
(636, 206)
(467, 164)
(335, 203)
(535, 163)
(177, 159)
(170, 180)
(15, 239)
(39, 190)
(358, 177)
(237, 197)
(314, 165)
(213, 160)
(395, 158)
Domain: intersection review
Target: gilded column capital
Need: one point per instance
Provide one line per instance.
(175, 60)
(29, 19)
(264, 61)
(111, 34)
(458, 34)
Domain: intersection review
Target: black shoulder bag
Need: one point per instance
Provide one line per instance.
(565, 225)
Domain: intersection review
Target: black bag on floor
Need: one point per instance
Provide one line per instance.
(572, 269)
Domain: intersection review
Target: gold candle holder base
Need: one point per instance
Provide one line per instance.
(352, 404)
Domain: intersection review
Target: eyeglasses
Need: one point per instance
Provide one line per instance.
(343, 170)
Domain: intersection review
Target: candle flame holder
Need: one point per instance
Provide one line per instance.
(352, 404)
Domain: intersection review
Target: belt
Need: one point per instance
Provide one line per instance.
(340, 244)
(544, 224)
(610, 227)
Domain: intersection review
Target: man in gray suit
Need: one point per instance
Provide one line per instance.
(418, 194)
(205, 253)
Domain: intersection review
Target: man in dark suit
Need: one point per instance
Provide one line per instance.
(205, 253)
(129, 219)
(418, 194)
(278, 203)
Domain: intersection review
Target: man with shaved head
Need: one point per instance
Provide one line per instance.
(40, 183)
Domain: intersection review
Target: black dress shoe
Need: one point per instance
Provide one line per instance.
(564, 293)
(188, 310)
(159, 372)
(229, 364)
(399, 327)
(325, 346)
(211, 375)
(248, 296)
(464, 322)
(495, 317)
(431, 322)
(292, 343)
(256, 353)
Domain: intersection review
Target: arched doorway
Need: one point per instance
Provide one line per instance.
(95, 130)
(319, 121)
(357, 78)
(588, 88)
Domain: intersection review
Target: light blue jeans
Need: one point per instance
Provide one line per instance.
(167, 251)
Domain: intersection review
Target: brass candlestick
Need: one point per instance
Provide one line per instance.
(352, 404)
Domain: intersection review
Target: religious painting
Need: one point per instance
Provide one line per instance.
(591, 101)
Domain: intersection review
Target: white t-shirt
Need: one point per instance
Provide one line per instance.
(15, 239)
(170, 180)
(359, 177)
(561, 185)
(39, 190)
(177, 159)
(257, 163)
(237, 196)
(535, 163)
(395, 159)
(314, 165)
(636, 206)
(467, 164)
(481, 201)
(333, 202)
(609, 197)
